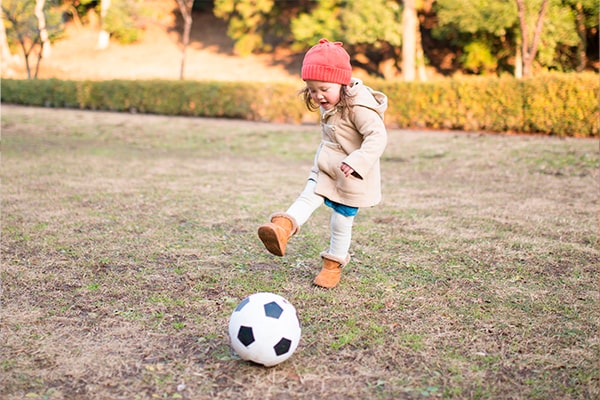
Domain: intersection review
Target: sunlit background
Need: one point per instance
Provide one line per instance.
(264, 40)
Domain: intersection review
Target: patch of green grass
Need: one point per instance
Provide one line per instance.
(348, 334)
(166, 300)
(570, 158)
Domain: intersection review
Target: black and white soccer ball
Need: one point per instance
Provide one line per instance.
(264, 328)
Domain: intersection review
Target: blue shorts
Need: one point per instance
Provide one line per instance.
(346, 211)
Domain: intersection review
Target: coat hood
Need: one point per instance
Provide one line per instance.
(364, 96)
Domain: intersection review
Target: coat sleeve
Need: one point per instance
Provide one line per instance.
(372, 128)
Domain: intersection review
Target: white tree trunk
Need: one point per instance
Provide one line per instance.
(185, 7)
(420, 55)
(6, 54)
(103, 36)
(39, 13)
(518, 63)
(409, 40)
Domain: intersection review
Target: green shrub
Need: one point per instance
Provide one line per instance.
(565, 104)
(555, 104)
(489, 104)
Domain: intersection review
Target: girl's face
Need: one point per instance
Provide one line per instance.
(326, 94)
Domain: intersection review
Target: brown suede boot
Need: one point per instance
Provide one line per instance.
(276, 233)
(331, 273)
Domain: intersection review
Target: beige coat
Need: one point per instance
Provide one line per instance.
(358, 138)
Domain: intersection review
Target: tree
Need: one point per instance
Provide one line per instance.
(424, 5)
(104, 35)
(410, 24)
(322, 21)
(23, 27)
(481, 30)
(44, 39)
(370, 29)
(248, 22)
(558, 44)
(529, 47)
(489, 34)
(185, 7)
(6, 53)
(118, 20)
(581, 31)
(485, 35)
(586, 20)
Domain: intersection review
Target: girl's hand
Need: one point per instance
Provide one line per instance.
(346, 169)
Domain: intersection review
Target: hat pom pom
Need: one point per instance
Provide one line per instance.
(323, 41)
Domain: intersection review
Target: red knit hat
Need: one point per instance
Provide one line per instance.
(327, 62)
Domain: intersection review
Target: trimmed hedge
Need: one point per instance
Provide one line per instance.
(557, 104)
(554, 104)
(203, 99)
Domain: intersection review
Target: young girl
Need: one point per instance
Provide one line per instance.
(345, 174)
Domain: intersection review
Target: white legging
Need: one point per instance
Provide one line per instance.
(341, 226)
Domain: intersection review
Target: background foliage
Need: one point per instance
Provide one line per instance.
(480, 36)
(483, 33)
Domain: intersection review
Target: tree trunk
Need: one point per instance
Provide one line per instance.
(518, 63)
(20, 36)
(529, 51)
(6, 54)
(185, 7)
(582, 45)
(410, 24)
(103, 36)
(420, 55)
(39, 14)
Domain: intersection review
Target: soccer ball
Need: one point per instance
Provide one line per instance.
(264, 328)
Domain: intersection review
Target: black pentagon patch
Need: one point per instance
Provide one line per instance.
(273, 310)
(242, 304)
(245, 335)
(283, 346)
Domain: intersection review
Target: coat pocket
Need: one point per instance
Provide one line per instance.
(329, 159)
(350, 186)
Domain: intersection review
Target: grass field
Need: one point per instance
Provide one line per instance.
(127, 240)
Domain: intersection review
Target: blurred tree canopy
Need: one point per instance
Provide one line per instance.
(121, 20)
(484, 34)
(469, 36)
(370, 29)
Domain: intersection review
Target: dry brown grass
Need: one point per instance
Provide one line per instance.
(128, 239)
